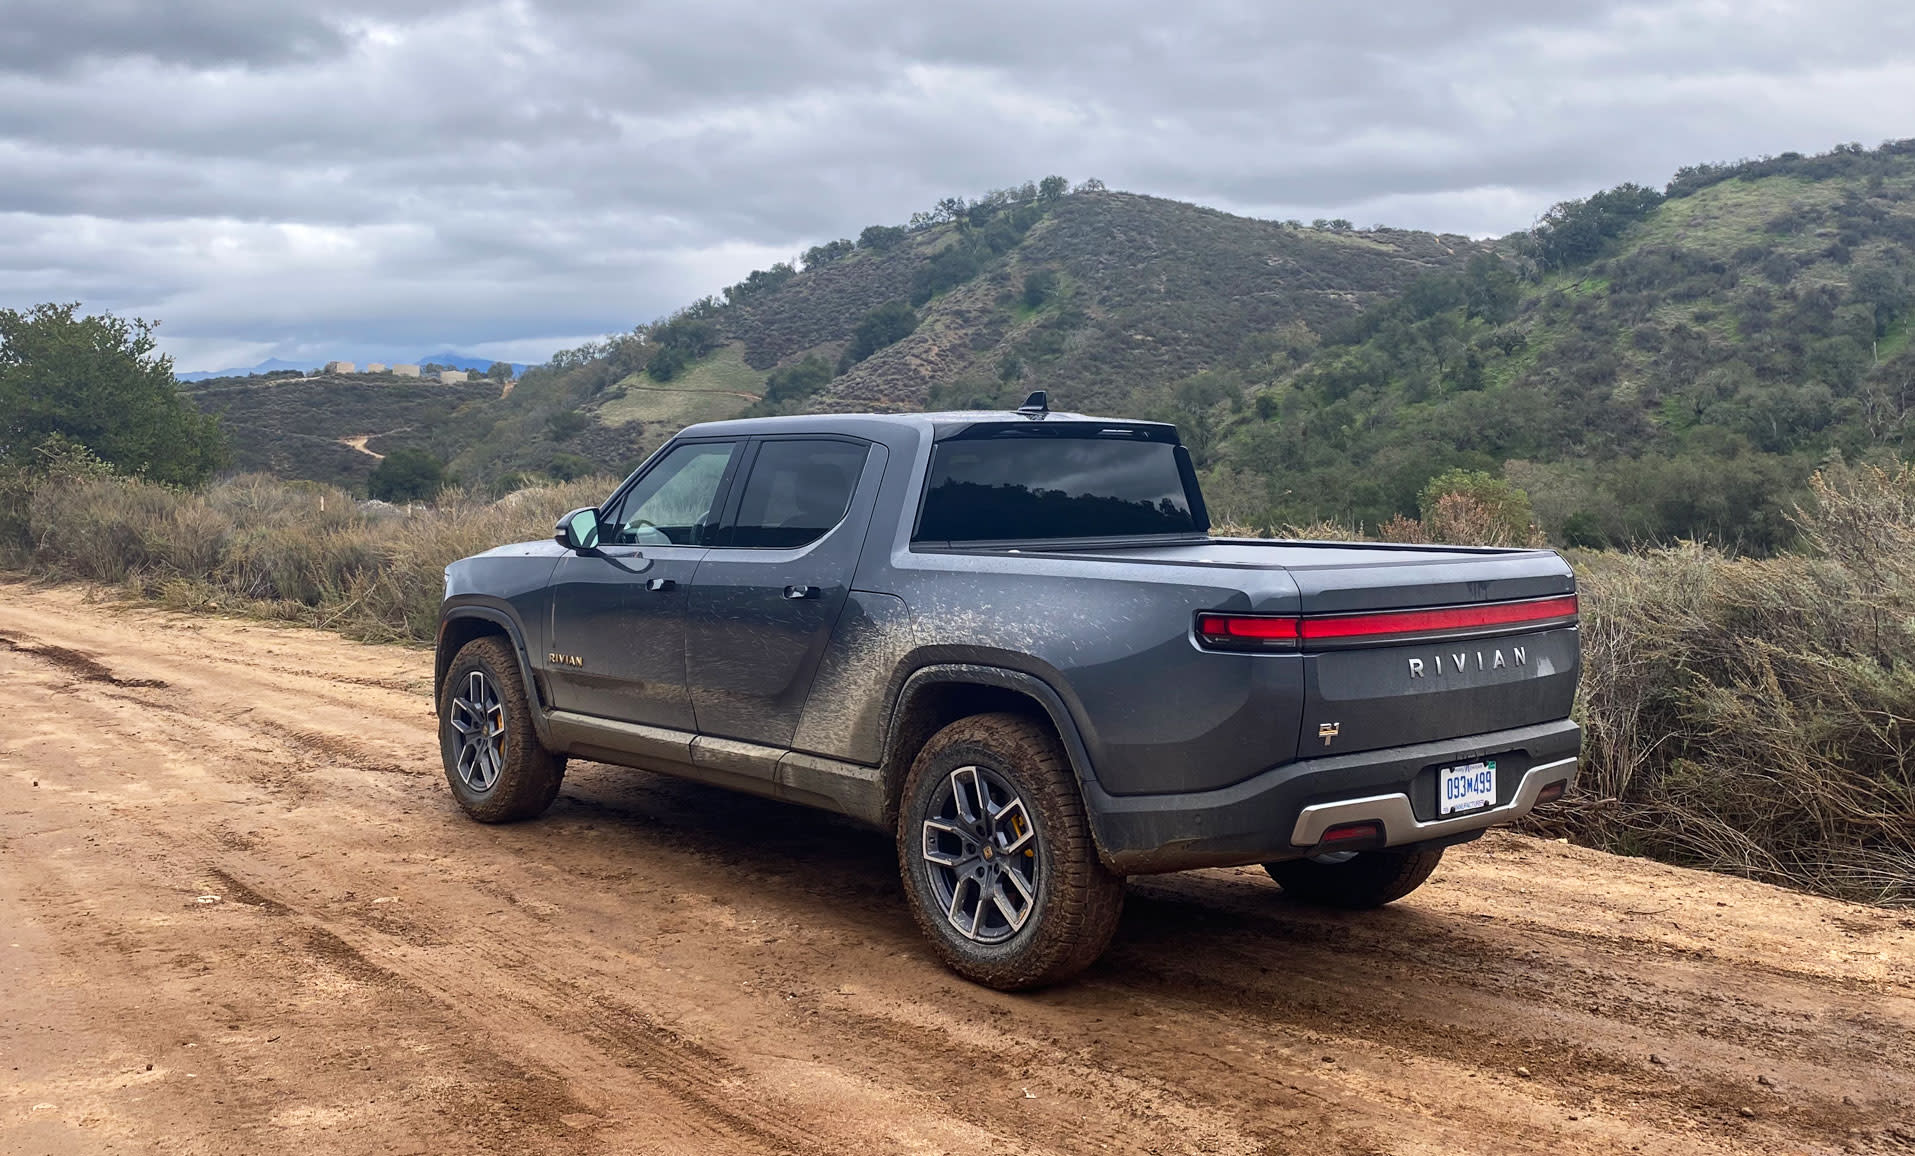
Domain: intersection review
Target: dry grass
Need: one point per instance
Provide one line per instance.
(293, 551)
(1757, 716)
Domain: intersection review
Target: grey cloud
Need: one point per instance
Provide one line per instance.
(467, 171)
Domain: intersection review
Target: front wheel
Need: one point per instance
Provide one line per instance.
(1356, 879)
(997, 856)
(493, 761)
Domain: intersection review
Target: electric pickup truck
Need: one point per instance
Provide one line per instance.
(1009, 640)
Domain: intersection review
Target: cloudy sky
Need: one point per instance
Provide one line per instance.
(386, 179)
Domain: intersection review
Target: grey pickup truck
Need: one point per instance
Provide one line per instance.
(1008, 639)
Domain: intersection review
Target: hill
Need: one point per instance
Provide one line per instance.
(335, 429)
(1101, 297)
(1647, 365)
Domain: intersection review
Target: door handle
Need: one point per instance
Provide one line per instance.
(796, 592)
(659, 584)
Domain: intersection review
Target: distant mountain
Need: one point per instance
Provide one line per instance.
(461, 361)
(273, 364)
(270, 365)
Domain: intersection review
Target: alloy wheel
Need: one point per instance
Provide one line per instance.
(980, 849)
(478, 717)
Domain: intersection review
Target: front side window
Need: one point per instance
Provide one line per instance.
(673, 503)
(1016, 486)
(798, 490)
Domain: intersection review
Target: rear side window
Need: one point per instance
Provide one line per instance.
(1009, 488)
(798, 490)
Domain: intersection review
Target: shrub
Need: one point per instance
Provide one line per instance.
(888, 323)
(1758, 715)
(406, 475)
(1039, 286)
(798, 381)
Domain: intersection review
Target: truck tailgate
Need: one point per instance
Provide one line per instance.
(1440, 677)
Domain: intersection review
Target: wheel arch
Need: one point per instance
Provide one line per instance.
(935, 696)
(460, 625)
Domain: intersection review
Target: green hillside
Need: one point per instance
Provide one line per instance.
(1648, 366)
(1103, 298)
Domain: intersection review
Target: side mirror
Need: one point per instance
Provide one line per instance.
(577, 530)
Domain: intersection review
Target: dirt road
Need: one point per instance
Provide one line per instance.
(240, 914)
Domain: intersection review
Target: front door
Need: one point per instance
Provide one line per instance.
(769, 592)
(618, 611)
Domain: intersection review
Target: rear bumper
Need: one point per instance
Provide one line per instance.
(1283, 812)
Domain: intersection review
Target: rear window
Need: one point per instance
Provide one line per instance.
(1007, 488)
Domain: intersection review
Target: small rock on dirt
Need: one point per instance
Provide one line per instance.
(1657, 1060)
(1523, 1072)
(1765, 1081)
(1746, 1112)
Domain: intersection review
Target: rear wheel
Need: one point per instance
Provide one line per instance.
(493, 761)
(997, 856)
(1356, 879)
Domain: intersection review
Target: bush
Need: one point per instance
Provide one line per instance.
(1757, 716)
(888, 323)
(1039, 286)
(406, 475)
(798, 381)
(881, 237)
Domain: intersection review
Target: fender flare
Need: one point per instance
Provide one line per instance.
(977, 674)
(516, 635)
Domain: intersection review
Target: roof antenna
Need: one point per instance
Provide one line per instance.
(1036, 405)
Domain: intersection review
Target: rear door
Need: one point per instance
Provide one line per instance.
(770, 591)
(618, 612)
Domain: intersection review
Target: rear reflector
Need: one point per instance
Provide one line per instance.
(1257, 632)
(1351, 833)
(1551, 793)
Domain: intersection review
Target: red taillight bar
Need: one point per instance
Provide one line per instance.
(1285, 630)
(1448, 618)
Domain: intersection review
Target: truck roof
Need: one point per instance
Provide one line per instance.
(940, 423)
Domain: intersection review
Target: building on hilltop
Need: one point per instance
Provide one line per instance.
(375, 367)
(451, 376)
(405, 370)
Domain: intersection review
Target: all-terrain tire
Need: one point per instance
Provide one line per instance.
(1075, 901)
(1367, 879)
(516, 778)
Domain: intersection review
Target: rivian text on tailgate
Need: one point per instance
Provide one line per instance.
(1008, 640)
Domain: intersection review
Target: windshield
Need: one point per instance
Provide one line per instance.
(1007, 488)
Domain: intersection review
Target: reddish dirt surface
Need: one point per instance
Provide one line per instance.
(239, 913)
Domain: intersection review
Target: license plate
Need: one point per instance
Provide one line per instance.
(1469, 787)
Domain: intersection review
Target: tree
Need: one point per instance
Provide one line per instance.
(826, 253)
(679, 342)
(1040, 285)
(499, 371)
(1051, 188)
(798, 381)
(881, 237)
(406, 475)
(1573, 232)
(893, 321)
(96, 380)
